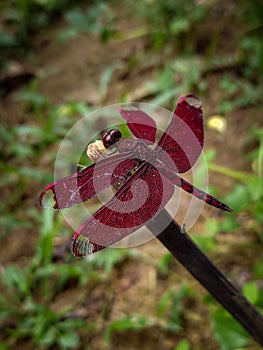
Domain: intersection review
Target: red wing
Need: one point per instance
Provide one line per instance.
(81, 186)
(143, 196)
(184, 138)
(141, 124)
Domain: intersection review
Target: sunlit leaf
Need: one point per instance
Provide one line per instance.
(229, 334)
(105, 79)
(133, 322)
(238, 198)
(48, 337)
(68, 340)
(250, 290)
(228, 224)
(67, 34)
(183, 345)
(258, 268)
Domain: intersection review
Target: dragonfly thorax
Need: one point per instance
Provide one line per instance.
(139, 148)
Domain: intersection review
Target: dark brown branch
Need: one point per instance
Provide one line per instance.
(197, 263)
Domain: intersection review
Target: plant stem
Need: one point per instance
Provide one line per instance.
(238, 175)
(214, 281)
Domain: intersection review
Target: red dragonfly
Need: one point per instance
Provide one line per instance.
(143, 175)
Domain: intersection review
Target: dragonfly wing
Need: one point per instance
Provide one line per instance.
(184, 138)
(143, 196)
(86, 184)
(140, 123)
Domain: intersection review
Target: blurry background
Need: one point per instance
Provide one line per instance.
(61, 59)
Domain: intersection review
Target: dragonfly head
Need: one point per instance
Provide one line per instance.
(110, 137)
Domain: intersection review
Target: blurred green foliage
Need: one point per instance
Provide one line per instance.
(97, 19)
(20, 19)
(168, 22)
(183, 345)
(229, 334)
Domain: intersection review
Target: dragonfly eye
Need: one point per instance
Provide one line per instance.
(110, 137)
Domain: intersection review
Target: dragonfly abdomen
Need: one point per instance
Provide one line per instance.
(200, 194)
(188, 187)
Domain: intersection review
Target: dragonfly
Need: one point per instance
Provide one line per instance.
(142, 173)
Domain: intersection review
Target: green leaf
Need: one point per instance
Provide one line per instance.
(4, 313)
(238, 198)
(228, 224)
(165, 96)
(14, 277)
(85, 21)
(229, 334)
(171, 303)
(69, 340)
(254, 188)
(258, 268)
(67, 34)
(211, 226)
(47, 221)
(205, 241)
(6, 39)
(78, 20)
(164, 262)
(48, 337)
(32, 173)
(4, 346)
(250, 290)
(35, 99)
(164, 303)
(134, 322)
(210, 155)
(108, 258)
(105, 79)
(183, 345)
(181, 25)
